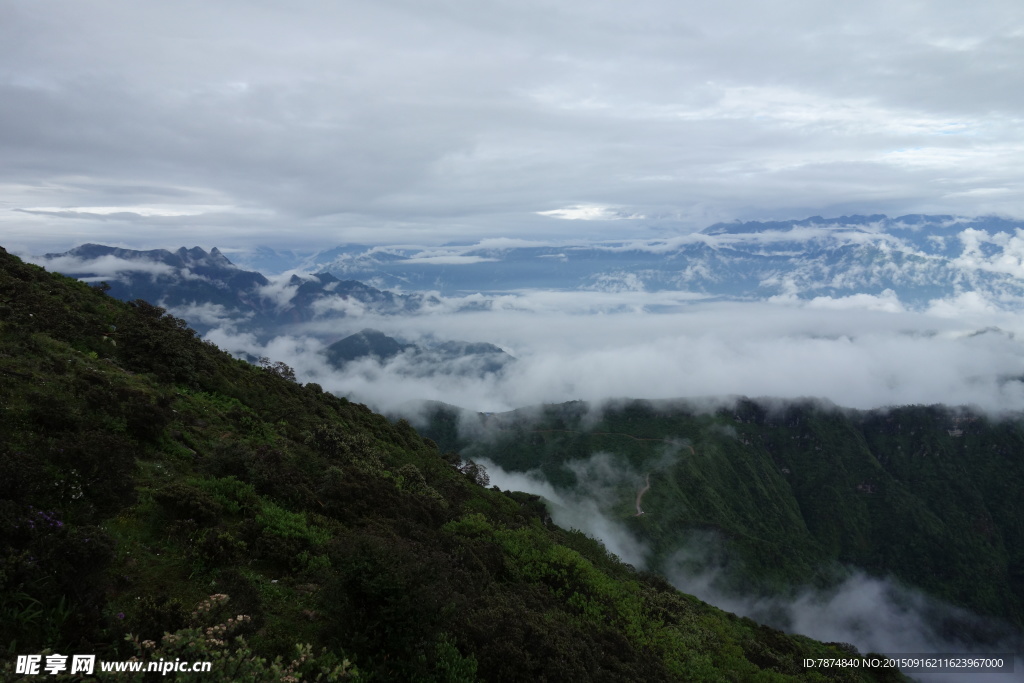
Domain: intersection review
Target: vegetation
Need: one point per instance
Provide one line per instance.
(160, 499)
(792, 492)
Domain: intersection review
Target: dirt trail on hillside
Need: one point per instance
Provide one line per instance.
(640, 495)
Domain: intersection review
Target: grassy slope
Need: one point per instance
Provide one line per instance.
(142, 470)
(794, 490)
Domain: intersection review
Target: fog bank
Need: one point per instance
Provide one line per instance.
(855, 357)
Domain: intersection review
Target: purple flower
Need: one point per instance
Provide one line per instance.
(120, 615)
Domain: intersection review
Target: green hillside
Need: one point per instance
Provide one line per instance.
(790, 491)
(152, 485)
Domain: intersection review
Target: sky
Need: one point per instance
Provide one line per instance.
(309, 124)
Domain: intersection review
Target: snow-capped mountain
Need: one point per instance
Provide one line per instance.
(919, 258)
(909, 261)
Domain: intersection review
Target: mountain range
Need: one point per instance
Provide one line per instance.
(209, 290)
(919, 258)
(913, 260)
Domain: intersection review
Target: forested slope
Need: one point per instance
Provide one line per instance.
(929, 494)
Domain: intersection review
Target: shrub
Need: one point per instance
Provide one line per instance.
(186, 501)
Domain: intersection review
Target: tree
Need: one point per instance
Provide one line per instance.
(278, 368)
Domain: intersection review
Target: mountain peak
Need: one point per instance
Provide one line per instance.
(198, 256)
(742, 227)
(366, 342)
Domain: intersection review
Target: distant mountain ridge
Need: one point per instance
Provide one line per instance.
(208, 290)
(187, 275)
(911, 261)
(918, 258)
(448, 357)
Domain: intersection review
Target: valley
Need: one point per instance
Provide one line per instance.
(896, 525)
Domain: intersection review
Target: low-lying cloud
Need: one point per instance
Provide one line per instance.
(960, 354)
(877, 615)
(583, 508)
(108, 267)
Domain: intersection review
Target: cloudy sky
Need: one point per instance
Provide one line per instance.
(312, 123)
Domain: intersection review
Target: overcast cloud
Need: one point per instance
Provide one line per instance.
(315, 123)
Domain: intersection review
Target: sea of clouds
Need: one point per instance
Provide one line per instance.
(860, 352)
